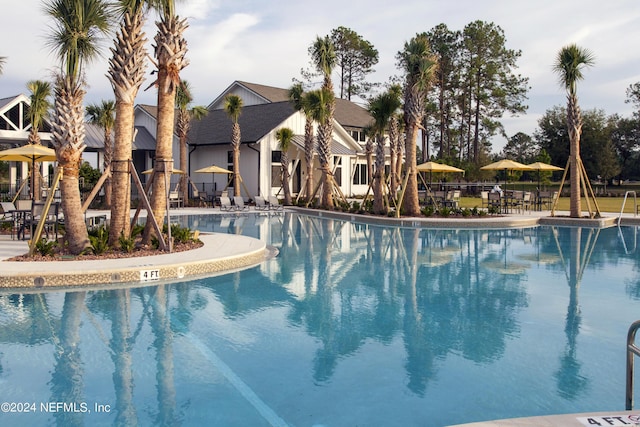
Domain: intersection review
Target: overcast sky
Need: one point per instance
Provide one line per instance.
(266, 42)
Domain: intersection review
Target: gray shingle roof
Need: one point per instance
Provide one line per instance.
(255, 122)
(143, 140)
(348, 114)
(337, 149)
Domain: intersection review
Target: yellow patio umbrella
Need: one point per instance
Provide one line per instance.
(29, 153)
(506, 165)
(177, 171)
(437, 167)
(213, 169)
(540, 166)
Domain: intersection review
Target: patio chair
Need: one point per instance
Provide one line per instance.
(174, 199)
(495, 201)
(274, 204)
(9, 216)
(261, 204)
(225, 204)
(200, 197)
(484, 199)
(51, 220)
(238, 201)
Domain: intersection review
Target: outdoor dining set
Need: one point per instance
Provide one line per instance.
(23, 218)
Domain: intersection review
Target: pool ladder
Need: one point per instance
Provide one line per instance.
(632, 350)
(635, 205)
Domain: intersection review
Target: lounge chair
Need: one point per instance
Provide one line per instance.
(261, 204)
(225, 204)
(239, 203)
(274, 203)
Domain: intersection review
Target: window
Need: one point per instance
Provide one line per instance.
(276, 168)
(230, 166)
(337, 161)
(360, 176)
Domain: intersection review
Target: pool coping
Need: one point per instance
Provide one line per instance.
(561, 420)
(219, 254)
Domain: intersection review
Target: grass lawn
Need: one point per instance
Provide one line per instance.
(606, 204)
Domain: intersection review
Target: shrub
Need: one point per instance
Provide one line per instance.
(46, 247)
(180, 234)
(127, 244)
(99, 239)
(445, 211)
(427, 211)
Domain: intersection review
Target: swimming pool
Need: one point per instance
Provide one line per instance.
(352, 324)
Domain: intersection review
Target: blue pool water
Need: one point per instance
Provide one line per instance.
(351, 325)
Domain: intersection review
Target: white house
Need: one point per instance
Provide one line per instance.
(265, 110)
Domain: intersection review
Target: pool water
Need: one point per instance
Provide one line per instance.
(351, 325)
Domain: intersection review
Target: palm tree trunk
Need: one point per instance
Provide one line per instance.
(184, 184)
(285, 179)
(108, 154)
(121, 177)
(574, 124)
(308, 155)
(68, 139)
(379, 180)
(410, 203)
(126, 73)
(164, 153)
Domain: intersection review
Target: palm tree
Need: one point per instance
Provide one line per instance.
(284, 137)
(570, 62)
(300, 103)
(183, 125)
(381, 108)
(103, 115)
(324, 58)
(126, 74)
(39, 107)
(419, 64)
(233, 108)
(318, 101)
(170, 51)
(75, 37)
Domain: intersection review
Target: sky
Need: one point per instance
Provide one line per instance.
(266, 42)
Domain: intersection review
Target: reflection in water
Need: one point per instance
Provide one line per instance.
(67, 379)
(435, 295)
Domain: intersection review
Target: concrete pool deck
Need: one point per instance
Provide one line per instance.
(222, 253)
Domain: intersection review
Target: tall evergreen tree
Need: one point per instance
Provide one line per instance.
(494, 88)
(355, 59)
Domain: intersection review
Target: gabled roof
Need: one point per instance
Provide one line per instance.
(143, 140)
(269, 93)
(348, 114)
(337, 149)
(255, 122)
(94, 136)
